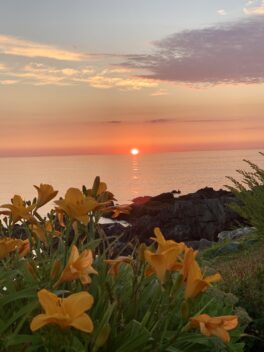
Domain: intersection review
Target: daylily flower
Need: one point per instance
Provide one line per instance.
(45, 194)
(18, 210)
(64, 312)
(215, 326)
(41, 231)
(76, 205)
(121, 209)
(79, 266)
(164, 244)
(98, 188)
(102, 188)
(8, 245)
(195, 281)
(115, 264)
(160, 263)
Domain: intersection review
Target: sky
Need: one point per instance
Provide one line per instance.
(104, 76)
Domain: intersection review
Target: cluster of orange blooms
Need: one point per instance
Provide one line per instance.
(169, 256)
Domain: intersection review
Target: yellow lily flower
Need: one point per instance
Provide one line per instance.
(121, 209)
(215, 326)
(160, 263)
(164, 244)
(41, 231)
(18, 210)
(64, 312)
(76, 205)
(195, 281)
(8, 245)
(102, 188)
(115, 264)
(79, 266)
(45, 194)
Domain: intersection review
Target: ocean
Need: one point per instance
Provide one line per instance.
(127, 176)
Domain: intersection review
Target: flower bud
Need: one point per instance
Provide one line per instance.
(55, 270)
(103, 336)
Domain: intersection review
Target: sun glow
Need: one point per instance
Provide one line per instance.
(134, 151)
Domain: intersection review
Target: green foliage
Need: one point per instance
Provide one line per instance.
(131, 310)
(250, 196)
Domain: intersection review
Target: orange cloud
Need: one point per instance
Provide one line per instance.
(11, 45)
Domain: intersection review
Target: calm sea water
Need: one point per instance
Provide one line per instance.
(126, 176)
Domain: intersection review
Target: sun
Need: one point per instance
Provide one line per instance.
(134, 151)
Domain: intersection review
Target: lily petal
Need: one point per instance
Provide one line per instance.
(83, 323)
(77, 303)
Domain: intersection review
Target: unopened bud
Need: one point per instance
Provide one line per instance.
(32, 269)
(103, 336)
(56, 267)
(185, 310)
(141, 252)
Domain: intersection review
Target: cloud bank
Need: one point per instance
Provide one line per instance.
(229, 53)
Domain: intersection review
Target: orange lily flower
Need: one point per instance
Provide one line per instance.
(215, 326)
(121, 209)
(76, 205)
(160, 263)
(115, 264)
(79, 266)
(102, 188)
(41, 231)
(24, 248)
(164, 244)
(18, 210)
(64, 312)
(45, 194)
(195, 281)
(8, 245)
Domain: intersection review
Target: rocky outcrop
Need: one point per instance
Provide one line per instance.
(191, 217)
(235, 234)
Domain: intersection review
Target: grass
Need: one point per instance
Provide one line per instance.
(243, 272)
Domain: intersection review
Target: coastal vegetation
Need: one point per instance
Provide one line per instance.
(65, 286)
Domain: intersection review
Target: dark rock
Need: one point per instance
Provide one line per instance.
(190, 217)
(200, 245)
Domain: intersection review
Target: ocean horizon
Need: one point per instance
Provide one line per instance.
(127, 176)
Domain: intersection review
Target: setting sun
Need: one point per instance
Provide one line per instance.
(134, 151)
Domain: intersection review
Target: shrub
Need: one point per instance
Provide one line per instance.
(250, 195)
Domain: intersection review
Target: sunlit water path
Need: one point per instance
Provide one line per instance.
(127, 176)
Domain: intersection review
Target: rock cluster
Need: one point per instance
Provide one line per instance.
(191, 217)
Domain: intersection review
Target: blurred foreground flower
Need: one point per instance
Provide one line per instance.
(45, 194)
(215, 326)
(64, 312)
(76, 205)
(18, 210)
(79, 266)
(195, 281)
(8, 245)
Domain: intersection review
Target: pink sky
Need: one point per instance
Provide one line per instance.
(73, 84)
